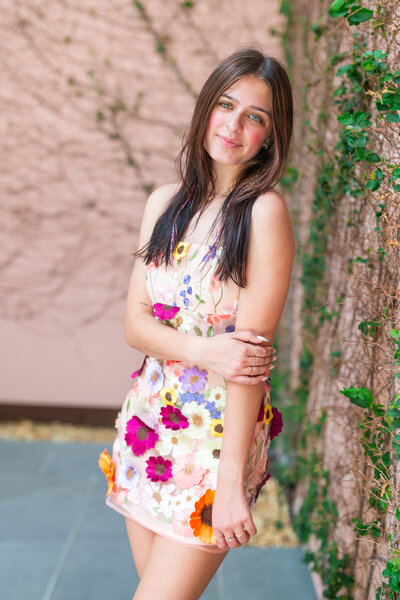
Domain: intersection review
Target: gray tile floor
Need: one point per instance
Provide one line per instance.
(58, 540)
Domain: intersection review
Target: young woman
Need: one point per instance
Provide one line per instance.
(206, 294)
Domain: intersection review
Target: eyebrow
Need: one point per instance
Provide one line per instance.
(254, 107)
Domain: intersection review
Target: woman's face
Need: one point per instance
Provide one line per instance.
(240, 122)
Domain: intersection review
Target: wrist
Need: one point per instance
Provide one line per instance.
(195, 350)
(231, 473)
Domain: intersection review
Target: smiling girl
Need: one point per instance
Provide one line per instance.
(206, 294)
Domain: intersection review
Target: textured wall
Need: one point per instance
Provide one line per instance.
(95, 97)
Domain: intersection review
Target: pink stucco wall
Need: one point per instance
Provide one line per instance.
(95, 98)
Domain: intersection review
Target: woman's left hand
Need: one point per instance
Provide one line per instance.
(231, 516)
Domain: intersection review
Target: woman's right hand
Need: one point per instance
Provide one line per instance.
(240, 356)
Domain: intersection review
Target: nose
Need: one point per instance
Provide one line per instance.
(234, 122)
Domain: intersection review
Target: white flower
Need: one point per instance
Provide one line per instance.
(128, 474)
(174, 443)
(218, 396)
(135, 495)
(184, 501)
(199, 419)
(157, 498)
(154, 376)
(207, 456)
(184, 321)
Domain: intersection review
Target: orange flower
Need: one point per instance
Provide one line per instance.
(201, 518)
(214, 318)
(107, 466)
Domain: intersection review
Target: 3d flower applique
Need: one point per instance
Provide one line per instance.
(157, 498)
(193, 380)
(201, 518)
(185, 471)
(168, 396)
(164, 311)
(139, 436)
(212, 409)
(174, 443)
(218, 396)
(183, 321)
(207, 456)
(158, 468)
(180, 250)
(128, 474)
(188, 397)
(106, 464)
(276, 423)
(217, 427)
(268, 414)
(199, 419)
(172, 418)
(181, 523)
(154, 376)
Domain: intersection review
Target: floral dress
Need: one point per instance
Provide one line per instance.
(163, 469)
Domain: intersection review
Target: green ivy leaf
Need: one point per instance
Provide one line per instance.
(372, 157)
(338, 8)
(394, 333)
(360, 396)
(197, 330)
(361, 16)
(210, 331)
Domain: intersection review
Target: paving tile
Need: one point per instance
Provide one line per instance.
(26, 567)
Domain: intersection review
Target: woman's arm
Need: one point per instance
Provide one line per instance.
(229, 354)
(270, 262)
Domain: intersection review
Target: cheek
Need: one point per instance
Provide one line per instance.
(255, 137)
(216, 119)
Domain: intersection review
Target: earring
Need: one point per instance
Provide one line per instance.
(265, 146)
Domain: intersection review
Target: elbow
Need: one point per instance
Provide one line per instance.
(129, 334)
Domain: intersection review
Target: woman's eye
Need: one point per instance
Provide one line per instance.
(225, 104)
(256, 118)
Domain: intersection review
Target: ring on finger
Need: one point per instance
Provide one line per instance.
(253, 364)
(230, 539)
(241, 534)
(251, 369)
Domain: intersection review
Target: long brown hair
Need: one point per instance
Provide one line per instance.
(256, 176)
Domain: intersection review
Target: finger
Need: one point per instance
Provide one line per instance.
(220, 540)
(248, 525)
(242, 536)
(231, 540)
(248, 335)
(246, 380)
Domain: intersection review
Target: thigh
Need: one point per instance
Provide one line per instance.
(176, 571)
(141, 541)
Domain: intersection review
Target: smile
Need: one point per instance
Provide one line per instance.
(227, 142)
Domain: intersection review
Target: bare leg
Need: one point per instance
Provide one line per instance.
(174, 571)
(141, 541)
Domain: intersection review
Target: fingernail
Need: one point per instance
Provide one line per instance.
(264, 379)
(264, 339)
(272, 367)
(274, 358)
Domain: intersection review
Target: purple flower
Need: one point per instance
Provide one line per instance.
(139, 436)
(164, 311)
(173, 419)
(193, 380)
(212, 409)
(230, 328)
(154, 376)
(159, 469)
(212, 250)
(188, 397)
(186, 279)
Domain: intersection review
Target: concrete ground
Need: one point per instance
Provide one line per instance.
(58, 540)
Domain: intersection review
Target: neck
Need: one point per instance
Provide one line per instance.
(224, 178)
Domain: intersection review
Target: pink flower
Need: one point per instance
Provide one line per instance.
(276, 423)
(215, 283)
(181, 523)
(185, 472)
(159, 469)
(214, 318)
(140, 436)
(165, 311)
(172, 418)
(193, 380)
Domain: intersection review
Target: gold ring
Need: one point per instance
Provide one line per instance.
(254, 361)
(251, 369)
(241, 534)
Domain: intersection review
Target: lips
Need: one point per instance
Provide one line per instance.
(228, 142)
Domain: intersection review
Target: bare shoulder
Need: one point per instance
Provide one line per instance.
(271, 215)
(159, 198)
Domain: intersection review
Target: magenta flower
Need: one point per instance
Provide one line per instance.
(159, 469)
(276, 423)
(139, 436)
(165, 311)
(173, 419)
(193, 380)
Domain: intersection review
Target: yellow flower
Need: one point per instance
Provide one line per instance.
(201, 518)
(268, 414)
(180, 250)
(106, 464)
(217, 427)
(169, 396)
